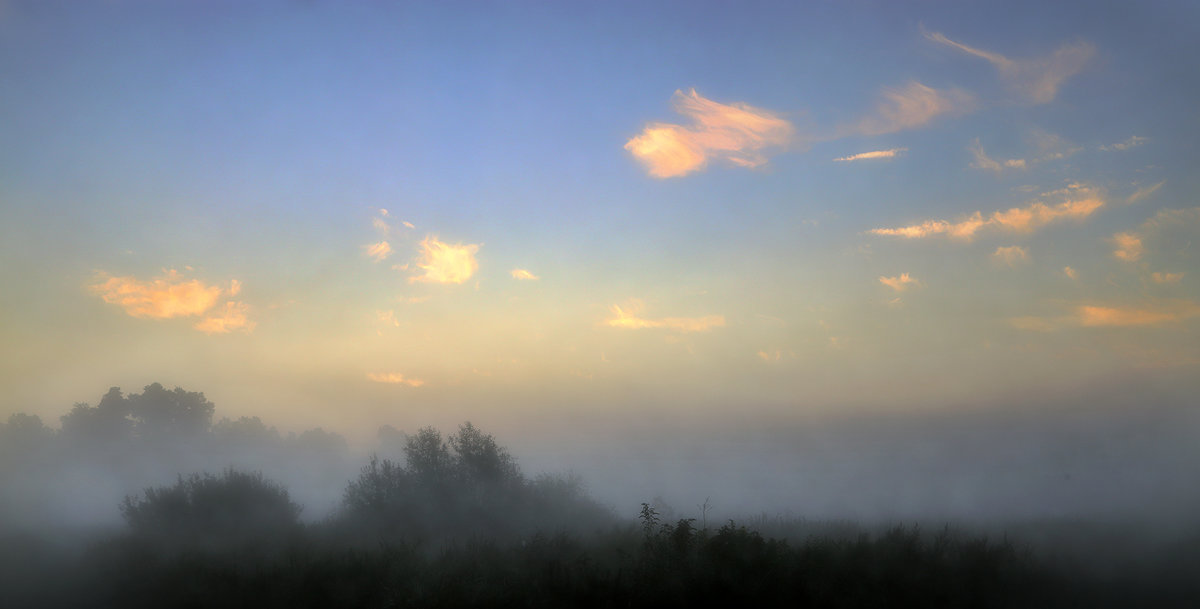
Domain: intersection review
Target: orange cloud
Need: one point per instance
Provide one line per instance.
(1142, 193)
(393, 378)
(1160, 277)
(1128, 246)
(628, 318)
(160, 298)
(1090, 315)
(874, 154)
(1011, 256)
(523, 274)
(912, 106)
(445, 263)
(736, 133)
(983, 161)
(379, 251)
(1080, 203)
(232, 317)
(1037, 80)
(900, 283)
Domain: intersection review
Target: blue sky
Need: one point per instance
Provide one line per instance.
(190, 193)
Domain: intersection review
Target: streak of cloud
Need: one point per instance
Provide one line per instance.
(160, 298)
(1133, 142)
(1080, 202)
(627, 318)
(378, 251)
(874, 154)
(1164, 277)
(394, 378)
(983, 161)
(736, 133)
(1037, 80)
(522, 274)
(1142, 193)
(1011, 256)
(445, 263)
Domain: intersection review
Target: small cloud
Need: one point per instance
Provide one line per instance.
(1079, 202)
(1011, 256)
(983, 161)
(234, 316)
(1162, 277)
(388, 318)
(383, 212)
(1142, 193)
(393, 378)
(378, 251)
(523, 274)
(235, 287)
(160, 298)
(408, 225)
(901, 283)
(1132, 142)
(914, 105)
(445, 263)
(1037, 80)
(737, 133)
(1070, 272)
(1127, 246)
(874, 154)
(381, 225)
(627, 318)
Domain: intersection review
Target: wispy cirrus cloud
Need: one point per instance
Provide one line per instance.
(1036, 80)
(1164, 277)
(1170, 232)
(911, 106)
(873, 155)
(627, 317)
(1133, 142)
(394, 378)
(159, 298)
(441, 262)
(983, 161)
(899, 283)
(1078, 202)
(1144, 192)
(233, 316)
(737, 133)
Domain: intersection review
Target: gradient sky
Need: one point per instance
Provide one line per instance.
(533, 215)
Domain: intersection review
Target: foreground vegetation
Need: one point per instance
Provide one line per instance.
(455, 523)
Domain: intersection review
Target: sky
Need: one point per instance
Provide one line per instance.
(567, 222)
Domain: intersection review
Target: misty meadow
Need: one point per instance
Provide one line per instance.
(451, 520)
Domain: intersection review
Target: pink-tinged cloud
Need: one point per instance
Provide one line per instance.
(901, 283)
(524, 275)
(1080, 203)
(1037, 80)
(911, 106)
(394, 378)
(233, 316)
(378, 251)
(441, 262)
(627, 318)
(159, 298)
(738, 134)
(873, 155)
(1070, 272)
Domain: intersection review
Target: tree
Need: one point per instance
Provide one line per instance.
(162, 413)
(428, 456)
(479, 458)
(106, 423)
(232, 506)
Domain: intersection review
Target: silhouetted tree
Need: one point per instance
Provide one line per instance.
(479, 458)
(428, 456)
(162, 413)
(106, 423)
